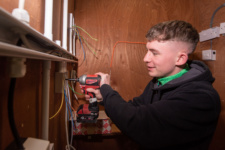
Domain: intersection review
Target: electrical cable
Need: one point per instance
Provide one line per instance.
(66, 120)
(69, 106)
(211, 22)
(58, 109)
(11, 114)
(73, 127)
(68, 110)
(81, 47)
(115, 47)
(75, 91)
(93, 51)
(25, 41)
(66, 128)
(60, 105)
(87, 33)
(72, 83)
(71, 112)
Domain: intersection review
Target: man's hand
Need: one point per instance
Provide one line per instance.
(96, 92)
(105, 78)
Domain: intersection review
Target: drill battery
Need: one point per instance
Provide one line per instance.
(88, 113)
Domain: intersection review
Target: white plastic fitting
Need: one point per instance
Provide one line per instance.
(17, 67)
(20, 13)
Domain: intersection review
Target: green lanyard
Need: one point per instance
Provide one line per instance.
(162, 81)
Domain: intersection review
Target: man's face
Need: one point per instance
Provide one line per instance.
(161, 58)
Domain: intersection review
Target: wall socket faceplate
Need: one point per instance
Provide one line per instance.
(209, 54)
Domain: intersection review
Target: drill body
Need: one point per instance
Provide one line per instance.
(88, 113)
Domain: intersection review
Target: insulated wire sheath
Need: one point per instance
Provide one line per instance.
(211, 22)
(75, 91)
(68, 109)
(66, 115)
(11, 114)
(81, 46)
(87, 33)
(71, 113)
(69, 106)
(59, 107)
(93, 51)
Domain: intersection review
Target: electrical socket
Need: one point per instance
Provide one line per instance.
(210, 33)
(209, 55)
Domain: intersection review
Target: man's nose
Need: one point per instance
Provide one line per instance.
(147, 57)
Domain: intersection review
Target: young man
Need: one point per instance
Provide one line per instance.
(179, 108)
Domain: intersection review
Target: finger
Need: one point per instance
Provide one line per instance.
(87, 97)
(91, 90)
(99, 73)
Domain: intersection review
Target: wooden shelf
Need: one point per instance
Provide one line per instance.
(33, 42)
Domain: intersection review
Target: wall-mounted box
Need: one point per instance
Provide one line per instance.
(209, 55)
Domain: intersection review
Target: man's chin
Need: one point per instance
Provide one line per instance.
(151, 74)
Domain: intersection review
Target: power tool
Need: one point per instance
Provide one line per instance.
(88, 113)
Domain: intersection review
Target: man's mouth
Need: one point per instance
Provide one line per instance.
(150, 68)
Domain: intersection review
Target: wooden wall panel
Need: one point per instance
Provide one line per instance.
(205, 11)
(127, 20)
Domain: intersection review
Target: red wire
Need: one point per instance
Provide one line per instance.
(122, 42)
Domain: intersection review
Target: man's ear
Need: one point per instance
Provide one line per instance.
(181, 58)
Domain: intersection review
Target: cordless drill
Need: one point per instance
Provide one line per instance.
(88, 113)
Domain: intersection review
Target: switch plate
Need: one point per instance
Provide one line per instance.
(210, 33)
(209, 55)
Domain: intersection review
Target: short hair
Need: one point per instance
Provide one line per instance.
(174, 31)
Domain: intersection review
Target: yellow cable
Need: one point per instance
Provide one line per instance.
(88, 45)
(93, 51)
(87, 33)
(59, 108)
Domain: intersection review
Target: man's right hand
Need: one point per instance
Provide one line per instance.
(96, 92)
(105, 78)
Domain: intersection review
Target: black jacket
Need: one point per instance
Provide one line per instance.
(182, 114)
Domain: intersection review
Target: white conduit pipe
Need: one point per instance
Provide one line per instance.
(21, 4)
(45, 98)
(48, 18)
(46, 71)
(65, 20)
(70, 33)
